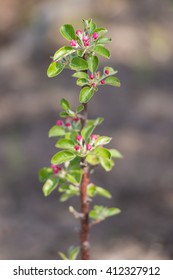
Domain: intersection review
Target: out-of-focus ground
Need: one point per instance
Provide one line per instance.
(139, 117)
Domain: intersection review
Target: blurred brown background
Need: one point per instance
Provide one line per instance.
(139, 117)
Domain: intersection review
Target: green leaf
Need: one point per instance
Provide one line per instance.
(54, 69)
(56, 131)
(93, 63)
(74, 177)
(73, 252)
(107, 164)
(100, 212)
(113, 81)
(102, 153)
(78, 64)
(103, 192)
(65, 144)
(81, 82)
(80, 108)
(102, 51)
(63, 114)
(63, 52)
(62, 156)
(92, 159)
(101, 31)
(67, 31)
(45, 173)
(63, 256)
(115, 153)
(69, 192)
(85, 94)
(111, 70)
(50, 185)
(93, 190)
(87, 131)
(102, 140)
(65, 104)
(103, 40)
(81, 75)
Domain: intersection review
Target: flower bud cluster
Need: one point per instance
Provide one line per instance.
(56, 168)
(83, 147)
(84, 39)
(68, 122)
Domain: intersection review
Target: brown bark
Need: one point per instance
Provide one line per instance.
(84, 234)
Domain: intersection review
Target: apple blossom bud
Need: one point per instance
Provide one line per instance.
(93, 84)
(86, 43)
(88, 147)
(76, 119)
(93, 137)
(73, 43)
(107, 72)
(102, 82)
(79, 138)
(91, 76)
(78, 32)
(95, 36)
(85, 38)
(68, 124)
(59, 122)
(77, 148)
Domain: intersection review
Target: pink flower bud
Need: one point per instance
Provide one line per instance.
(91, 76)
(86, 43)
(77, 148)
(78, 32)
(93, 137)
(59, 122)
(95, 36)
(85, 38)
(76, 119)
(107, 72)
(79, 138)
(56, 168)
(102, 82)
(88, 147)
(73, 43)
(93, 84)
(68, 124)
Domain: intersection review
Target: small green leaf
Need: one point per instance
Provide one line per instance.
(91, 190)
(107, 164)
(65, 144)
(85, 94)
(101, 31)
(56, 131)
(69, 192)
(87, 131)
(63, 52)
(93, 63)
(81, 82)
(103, 192)
(67, 31)
(103, 40)
(102, 51)
(74, 177)
(92, 159)
(100, 212)
(62, 156)
(113, 81)
(50, 185)
(45, 173)
(63, 114)
(54, 69)
(73, 252)
(102, 153)
(63, 256)
(111, 70)
(80, 75)
(115, 153)
(65, 104)
(80, 108)
(78, 64)
(102, 140)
